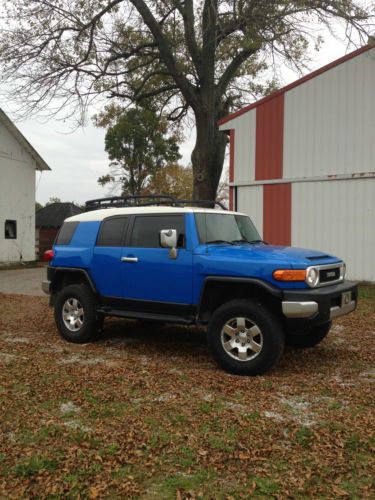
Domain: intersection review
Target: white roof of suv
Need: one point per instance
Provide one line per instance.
(98, 215)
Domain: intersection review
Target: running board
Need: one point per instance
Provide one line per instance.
(164, 318)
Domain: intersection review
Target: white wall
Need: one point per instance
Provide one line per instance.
(17, 199)
(337, 217)
(329, 121)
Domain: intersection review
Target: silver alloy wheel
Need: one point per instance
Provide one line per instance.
(72, 314)
(242, 339)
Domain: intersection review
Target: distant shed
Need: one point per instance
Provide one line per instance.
(48, 221)
(302, 162)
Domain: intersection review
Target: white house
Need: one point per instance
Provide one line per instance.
(18, 164)
(302, 162)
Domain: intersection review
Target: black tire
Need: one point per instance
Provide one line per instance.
(86, 299)
(270, 343)
(310, 338)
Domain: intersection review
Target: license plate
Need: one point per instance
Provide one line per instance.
(346, 298)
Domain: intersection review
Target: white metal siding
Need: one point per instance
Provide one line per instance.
(17, 199)
(337, 217)
(250, 201)
(244, 145)
(329, 121)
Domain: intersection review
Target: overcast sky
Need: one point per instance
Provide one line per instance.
(78, 158)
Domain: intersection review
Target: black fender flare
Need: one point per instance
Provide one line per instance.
(54, 272)
(269, 289)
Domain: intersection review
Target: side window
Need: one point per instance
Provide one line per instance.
(66, 233)
(10, 230)
(111, 232)
(146, 230)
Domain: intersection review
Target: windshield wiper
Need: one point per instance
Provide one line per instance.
(258, 241)
(220, 241)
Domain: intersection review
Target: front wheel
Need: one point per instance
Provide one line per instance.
(75, 314)
(310, 338)
(245, 338)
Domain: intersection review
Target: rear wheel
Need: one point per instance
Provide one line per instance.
(75, 313)
(310, 338)
(245, 338)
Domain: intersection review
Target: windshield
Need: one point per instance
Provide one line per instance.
(225, 228)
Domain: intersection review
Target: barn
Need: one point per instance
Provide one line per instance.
(302, 162)
(18, 163)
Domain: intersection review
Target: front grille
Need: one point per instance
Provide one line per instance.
(329, 274)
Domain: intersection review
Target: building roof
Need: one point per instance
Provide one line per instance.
(7, 122)
(298, 82)
(98, 215)
(53, 215)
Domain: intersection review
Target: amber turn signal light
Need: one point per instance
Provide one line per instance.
(289, 275)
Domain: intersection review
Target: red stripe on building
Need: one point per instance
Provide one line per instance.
(277, 213)
(231, 169)
(269, 139)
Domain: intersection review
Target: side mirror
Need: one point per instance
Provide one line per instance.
(168, 239)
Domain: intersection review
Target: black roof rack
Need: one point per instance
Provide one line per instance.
(147, 200)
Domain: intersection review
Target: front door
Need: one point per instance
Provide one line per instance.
(148, 272)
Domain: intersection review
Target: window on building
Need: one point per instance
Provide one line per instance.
(112, 232)
(10, 229)
(146, 230)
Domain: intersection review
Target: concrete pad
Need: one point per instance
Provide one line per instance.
(23, 281)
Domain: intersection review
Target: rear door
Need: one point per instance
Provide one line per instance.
(148, 272)
(106, 269)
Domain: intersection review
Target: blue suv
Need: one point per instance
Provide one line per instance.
(161, 260)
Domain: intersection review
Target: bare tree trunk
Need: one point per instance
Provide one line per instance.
(207, 157)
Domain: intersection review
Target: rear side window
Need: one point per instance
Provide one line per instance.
(112, 231)
(66, 233)
(146, 230)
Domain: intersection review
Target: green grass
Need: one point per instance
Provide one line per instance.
(177, 418)
(367, 292)
(160, 438)
(168, 488)
(253, 416)
(354, 487)
(33, 465)
(304, 437)
(225, 442)
(184, 457)
(336, 405)
(265, 487)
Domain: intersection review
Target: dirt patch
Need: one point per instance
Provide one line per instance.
(145, 412)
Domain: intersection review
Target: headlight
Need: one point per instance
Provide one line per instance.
(312, 276)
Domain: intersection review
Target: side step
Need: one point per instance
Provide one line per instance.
(161, 318)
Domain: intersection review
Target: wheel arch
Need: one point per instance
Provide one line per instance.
(218, 290)
(64, 276)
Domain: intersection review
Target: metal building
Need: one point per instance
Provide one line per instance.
(302, 162)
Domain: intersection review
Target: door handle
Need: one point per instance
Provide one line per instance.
(129, 259)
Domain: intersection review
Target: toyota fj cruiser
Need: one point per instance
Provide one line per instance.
(159, 259)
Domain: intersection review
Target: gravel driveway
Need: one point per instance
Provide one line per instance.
(22, 281)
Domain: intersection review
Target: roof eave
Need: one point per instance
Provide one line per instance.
(40, 164)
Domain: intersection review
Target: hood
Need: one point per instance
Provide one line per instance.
(295, 257)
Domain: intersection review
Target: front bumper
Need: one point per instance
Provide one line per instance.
(304, 309)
